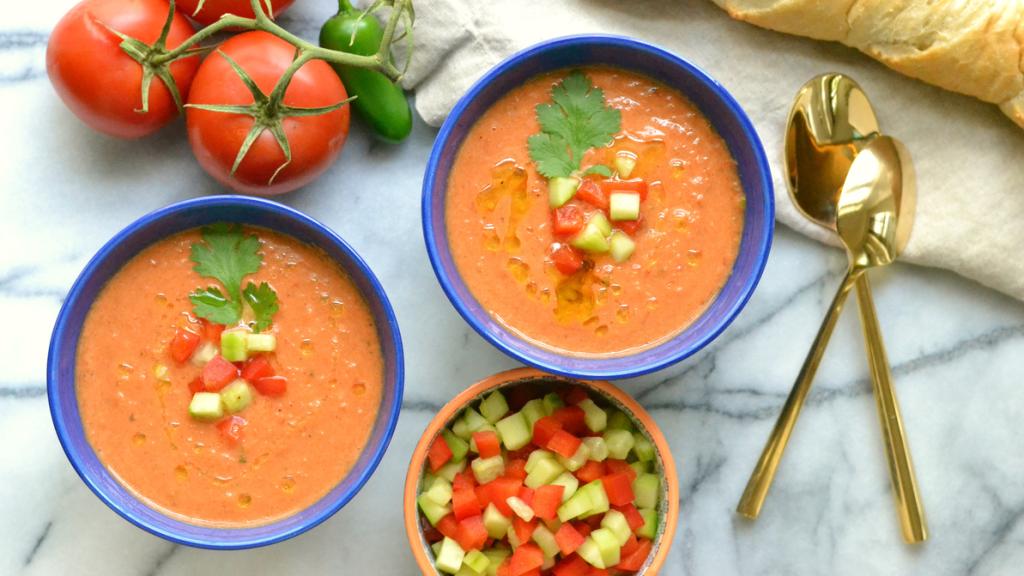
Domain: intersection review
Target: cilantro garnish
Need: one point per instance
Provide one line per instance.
(575, 121)
(228, 255)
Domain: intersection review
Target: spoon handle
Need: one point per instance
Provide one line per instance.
(761, 479)
(901, 470)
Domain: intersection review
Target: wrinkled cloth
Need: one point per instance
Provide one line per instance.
(969, 160)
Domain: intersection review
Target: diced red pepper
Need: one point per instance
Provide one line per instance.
(183, 344)
(592, 194)
(439, 454)
(218, 373)
(521, 454)
(573, 419)
(598, 572)
(590, 471)
(463, 480)
(564, 444)
(196, 385)
(635, 185)
(629, 546)
(571, 566)
(516, 469)
(636, 560)
(526, 495)
(257, 367)
(614, 466)
(505, 568)
(583, 528)
(573, 395)
(568, 538)
(499, 491)
(526, 558)
(633, 517)
(211, 331)
(472, 534)
(449, 526)
(566, 259)
(271, 385)
(487, 443)
(546, 500)
(231, 428)
(594, 521)
(544, 429)
(465, 503)
(523, 529)
(567, 220)
(630, 227)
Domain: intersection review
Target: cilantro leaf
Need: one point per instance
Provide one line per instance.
(575, 121)
(210, 303)
(599, 169)
(263, 301)
(227, 255)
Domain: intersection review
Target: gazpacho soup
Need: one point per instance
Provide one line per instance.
(229, 376)
(594, 211)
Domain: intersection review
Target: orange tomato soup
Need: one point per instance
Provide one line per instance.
(294, 447)
(499, 222)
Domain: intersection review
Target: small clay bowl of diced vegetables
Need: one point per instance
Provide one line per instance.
(529, 474)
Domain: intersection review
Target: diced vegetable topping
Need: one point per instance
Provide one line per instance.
(236, 396)
(206, 406)
(218, 373)
(183, 345)
(565, 482)
(621, 246)
(624, 206)
(260, 342)
(234, 345)
(624, 163)
(567, 220)
(561, 189)
(591, 239)
(566, 259)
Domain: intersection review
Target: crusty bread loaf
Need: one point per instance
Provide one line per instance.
(971, 46)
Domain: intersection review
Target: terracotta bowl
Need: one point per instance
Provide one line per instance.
(668, 508)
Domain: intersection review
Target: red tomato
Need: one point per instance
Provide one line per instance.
(212, 10)
(231, 428)
(592, 194)
(216, 137)
(567, 259)
(183, 345)
(99, 82)
(567, 220)
(271, 385)
(218, 373)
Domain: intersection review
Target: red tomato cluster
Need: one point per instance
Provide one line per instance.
(101, 83)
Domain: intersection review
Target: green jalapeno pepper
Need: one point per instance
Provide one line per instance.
(379, 101)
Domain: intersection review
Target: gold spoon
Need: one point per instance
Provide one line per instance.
(830, 123)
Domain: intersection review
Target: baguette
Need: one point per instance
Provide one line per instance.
(975, 47)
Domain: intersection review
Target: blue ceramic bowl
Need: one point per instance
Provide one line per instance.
(717, 105)
(110, 259)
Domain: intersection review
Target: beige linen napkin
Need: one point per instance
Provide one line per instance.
(969, 158)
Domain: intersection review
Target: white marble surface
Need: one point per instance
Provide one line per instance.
(955, 348)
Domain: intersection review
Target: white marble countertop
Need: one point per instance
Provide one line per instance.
(955, 349)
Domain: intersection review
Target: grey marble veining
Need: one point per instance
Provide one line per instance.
(956, 351)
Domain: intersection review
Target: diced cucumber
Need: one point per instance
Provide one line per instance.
(643, 448)
(590, 239)
(544, 471)
(449, 470)
(590, 552)
(440, 491)
(436, 547)
(514, 431)
(598, 498)
(608, 545)
(261, 342)
(474, 421)
(545, 540)
(466, 570)
(548, 564)
(650, 528)
(496, 556)
(234, 345)
(624, 206)
(206, 406)
(236, 396)
(535, 457)
(621, 246)
(460, 429)
(476, 561)
(204, 354)
(458, 446)
(616, 522)
(513, 538)
(496, 523)
(619, 442)
(618, 420)
(570, 482)
(552, 402)
(601, 221)
(494, 407)
(577, 505)
(449, 559)
(472, 442)
(533, 411)
(561, 189)
(520, 507)
(488, 469)
(639, 467)
(577, 460)
(432, 510)
(597, 447)
(595, 418)
(646, 490)
(624, 164)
